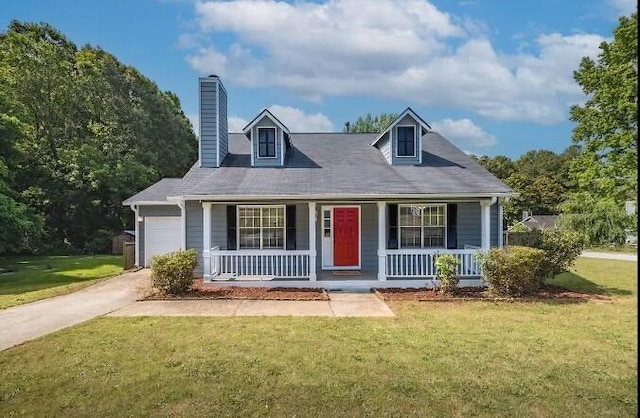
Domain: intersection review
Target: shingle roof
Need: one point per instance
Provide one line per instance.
(157, 192)
(541, 221)
(335, 164)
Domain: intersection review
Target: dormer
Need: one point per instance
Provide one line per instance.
(401, 142)
(269, 140)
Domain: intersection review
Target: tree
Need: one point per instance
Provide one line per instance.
(368, 123)
(607, 127)
(92, 132)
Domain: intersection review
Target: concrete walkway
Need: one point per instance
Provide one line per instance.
(339, 305)
(33, 320)
(610, 256)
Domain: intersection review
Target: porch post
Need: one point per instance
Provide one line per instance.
(312, 242)
(382, 241)
(206, 240)
(136, 224)
(500, 223)
(485, 223)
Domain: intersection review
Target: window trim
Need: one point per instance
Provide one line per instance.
(444, 226)
(284, 228)
(415, 141)
(275, 143)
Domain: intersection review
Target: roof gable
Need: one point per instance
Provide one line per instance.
(265, 113)
(407, 112)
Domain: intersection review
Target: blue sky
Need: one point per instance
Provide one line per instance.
(495, 77)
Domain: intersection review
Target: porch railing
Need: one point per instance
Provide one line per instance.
(259, 264)
(414, 263)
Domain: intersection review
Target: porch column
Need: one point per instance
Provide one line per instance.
(312, 242)
(206, 240)
(382, 241)
(136, 226)
(485, 224)
(183, 223)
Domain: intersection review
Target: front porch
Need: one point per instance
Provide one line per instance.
(374, 264)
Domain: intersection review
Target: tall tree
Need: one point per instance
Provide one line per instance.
(93, 131)
(368, 123)
(607, 126)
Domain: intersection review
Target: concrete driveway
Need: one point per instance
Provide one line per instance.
(610, 256)
(26, 322)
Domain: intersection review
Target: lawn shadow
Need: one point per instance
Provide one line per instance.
(577, 283)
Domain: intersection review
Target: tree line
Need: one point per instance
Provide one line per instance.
(80, 131)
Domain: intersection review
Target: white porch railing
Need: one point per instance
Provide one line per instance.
(421, 263)
(259, 264)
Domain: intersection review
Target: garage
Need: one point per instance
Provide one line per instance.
(162, 234)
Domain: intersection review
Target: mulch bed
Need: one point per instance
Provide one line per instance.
(548, 292)
(198, 291)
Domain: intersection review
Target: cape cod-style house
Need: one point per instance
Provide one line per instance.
(270, 207)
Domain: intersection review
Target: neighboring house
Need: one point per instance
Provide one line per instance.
(326, 210)
(531, 222)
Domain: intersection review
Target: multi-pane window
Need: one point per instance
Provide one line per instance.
(422, 226)
(406, 141)
(261, 227)
(266, 142)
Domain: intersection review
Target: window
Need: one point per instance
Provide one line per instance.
(261, 227)
(266, 142)
(422, 226)
(406, 141)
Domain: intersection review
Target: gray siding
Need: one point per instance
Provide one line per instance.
(407, 120)
(208, 122)
(385, 147)
(222, 120)
(266, 122)
(194, 231)
(468, 224)
(219, 226)
(302, 226)
(494, 225)
(159, 210)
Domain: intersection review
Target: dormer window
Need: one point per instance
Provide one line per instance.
(266, 142)
(406, 141)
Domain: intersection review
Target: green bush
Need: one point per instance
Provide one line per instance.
(512, 271)
(173, 273)
(561, 247)
(100, 242)
(446, 273)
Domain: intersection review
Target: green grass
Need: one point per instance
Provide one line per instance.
(34, 278)
(629, 249)
(434, 359)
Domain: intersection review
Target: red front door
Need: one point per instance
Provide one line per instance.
(345, 237)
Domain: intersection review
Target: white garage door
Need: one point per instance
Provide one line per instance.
(161, 235)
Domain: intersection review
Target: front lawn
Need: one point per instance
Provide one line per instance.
(434, 359)
(34, 278)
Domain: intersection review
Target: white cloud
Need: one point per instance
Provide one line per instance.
(416, 54)
(236, 123)
(464, 133)
(293, 118)
(298, 121)
(623, 7)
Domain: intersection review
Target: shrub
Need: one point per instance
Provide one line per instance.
(173, 273)
(561, 247)
(446, 266)
(512, 271)
(100, 242)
